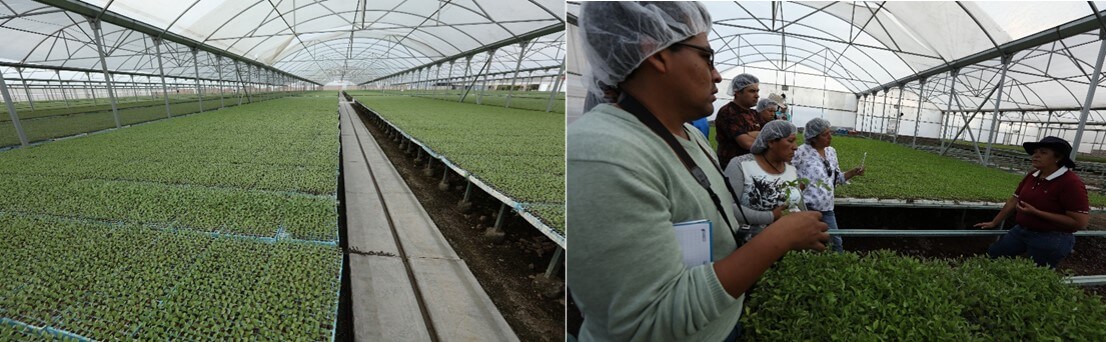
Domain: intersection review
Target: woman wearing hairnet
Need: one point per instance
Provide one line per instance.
(767, 108)
(636, 176)
(817, 161)
(763, 179)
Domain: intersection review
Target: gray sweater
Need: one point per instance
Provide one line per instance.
(626, 188)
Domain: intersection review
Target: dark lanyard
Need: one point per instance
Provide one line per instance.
(630, 104)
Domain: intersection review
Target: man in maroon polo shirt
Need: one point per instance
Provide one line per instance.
(1051, 203)
(737, 123)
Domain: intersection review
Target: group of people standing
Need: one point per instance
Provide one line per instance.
(636, 171)
(763, 163)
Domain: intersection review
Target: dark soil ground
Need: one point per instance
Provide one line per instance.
(506, 269)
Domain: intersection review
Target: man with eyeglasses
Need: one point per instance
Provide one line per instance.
(635, 173)
(737, 124)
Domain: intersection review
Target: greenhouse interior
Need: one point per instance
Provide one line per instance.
(934, 99)
(282, 170)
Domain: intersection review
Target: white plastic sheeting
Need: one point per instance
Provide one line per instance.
(348, 40)
(865, 49)
(862, 46)
(323, 41)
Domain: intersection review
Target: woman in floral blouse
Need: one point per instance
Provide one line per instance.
(817, 161)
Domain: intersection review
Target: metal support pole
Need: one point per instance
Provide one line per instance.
(449, 78)
(918, 115)
(553, 264)
(444, 184)
(468, 190)
(511, 91)
(870, 118)
(240, 90)
(30, 99)
(135, 89)
(249, 83)
(219, 70)
(491, 54)
(438, 76)
(502, 214)
(883, 115)
(898, 117)
(196, 67)
(468, 67)
(161, 72)
(245, 85)
(1090, 95)
(556, 88)
(104, 65)
(11, 112)
(998, 103)
(91, 87)
(865, 113)
(63, 95)
(1044, 132)
(859, 109)
(1021, 131)
(952, 94)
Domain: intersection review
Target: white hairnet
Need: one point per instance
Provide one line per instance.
(765, 103)
(618, 36)
(741, 81)
(814, 127)
(775, 130)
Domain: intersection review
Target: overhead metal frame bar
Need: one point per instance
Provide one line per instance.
(493, 46)
(113, 18)
(1076, 27)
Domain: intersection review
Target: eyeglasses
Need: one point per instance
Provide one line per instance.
(708, 51)
(829, 170)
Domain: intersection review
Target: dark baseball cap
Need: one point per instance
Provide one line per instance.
(1061, 147)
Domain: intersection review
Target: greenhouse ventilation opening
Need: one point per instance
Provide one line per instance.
(202, 166)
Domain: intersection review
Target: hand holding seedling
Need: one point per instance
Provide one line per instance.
(856, 171)
(777, 213)
(799, 231)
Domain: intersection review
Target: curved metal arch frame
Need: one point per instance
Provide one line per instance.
(814, 43)
(296, 57)
(839, 74)
(848, 42)
(989, 36)
(307, 47)
(478, 12)
(497, 58)
(70, 7)
(486, 16)
(338, 15)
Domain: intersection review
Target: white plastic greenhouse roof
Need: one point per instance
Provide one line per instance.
(320, 41)
(871, 46)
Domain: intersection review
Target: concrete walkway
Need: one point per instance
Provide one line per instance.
(407, 284)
